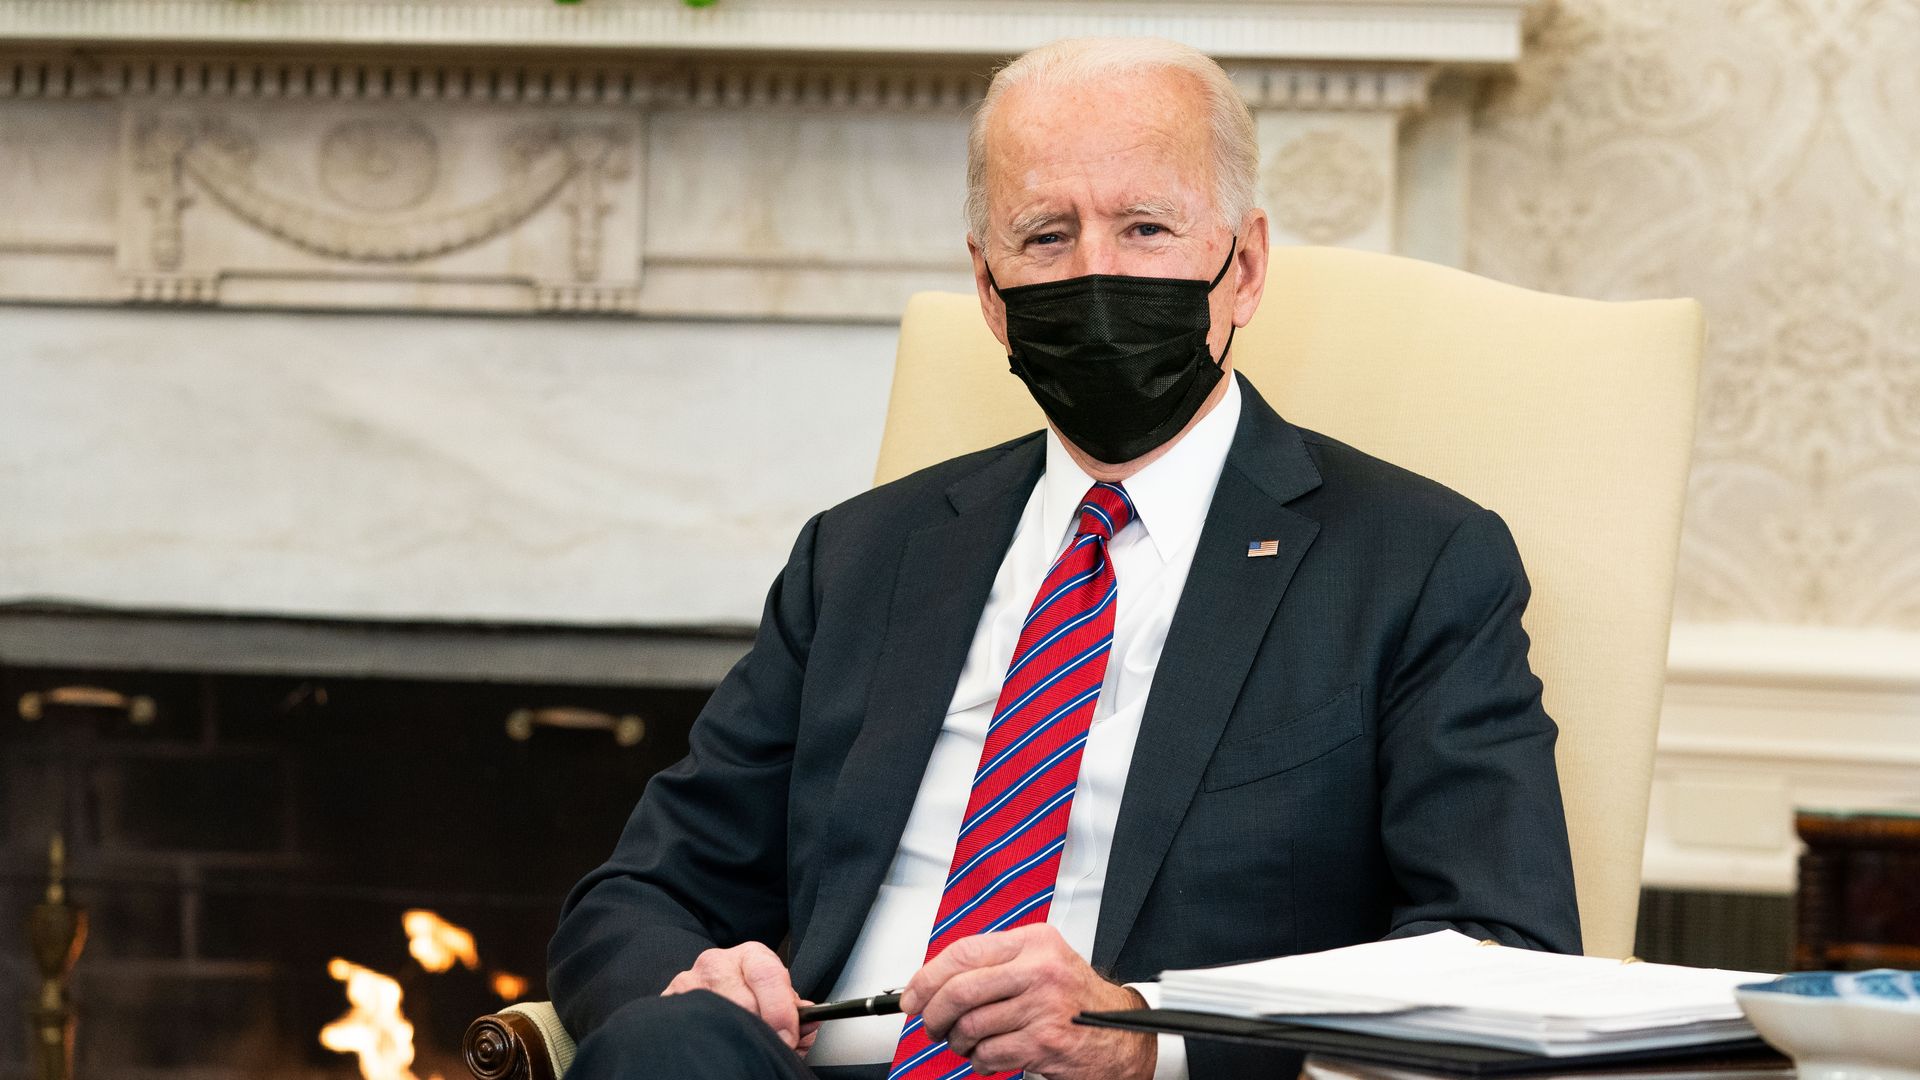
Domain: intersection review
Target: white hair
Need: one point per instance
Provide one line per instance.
(1076, 61)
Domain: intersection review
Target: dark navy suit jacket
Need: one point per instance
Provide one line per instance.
(1343, 742)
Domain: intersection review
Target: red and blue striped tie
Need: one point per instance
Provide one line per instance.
(1008, 854)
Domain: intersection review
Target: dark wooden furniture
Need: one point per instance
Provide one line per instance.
(1859, 898)
(507, 1046)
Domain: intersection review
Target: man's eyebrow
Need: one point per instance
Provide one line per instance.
(1037, 220)
(1160, 208)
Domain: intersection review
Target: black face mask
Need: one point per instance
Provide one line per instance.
(1119, 364)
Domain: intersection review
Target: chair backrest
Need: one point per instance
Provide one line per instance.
(1573, 419)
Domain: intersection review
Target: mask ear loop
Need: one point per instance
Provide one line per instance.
(1217, 279)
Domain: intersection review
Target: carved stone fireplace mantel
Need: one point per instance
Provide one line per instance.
(253, 250)
(756, 158)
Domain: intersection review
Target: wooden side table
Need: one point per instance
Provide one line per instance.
(1859, 898)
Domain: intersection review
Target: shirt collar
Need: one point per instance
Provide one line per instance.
(1170, 496)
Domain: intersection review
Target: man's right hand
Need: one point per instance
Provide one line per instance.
(752, 977)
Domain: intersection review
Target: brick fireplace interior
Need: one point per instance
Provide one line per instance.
(255, 826)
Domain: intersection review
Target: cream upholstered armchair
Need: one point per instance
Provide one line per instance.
(1571, 418)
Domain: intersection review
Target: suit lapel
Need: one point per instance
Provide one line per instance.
(946, 573)
(1223, 614)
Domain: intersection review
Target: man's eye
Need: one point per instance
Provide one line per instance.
(1046, 238)
(1148, 228)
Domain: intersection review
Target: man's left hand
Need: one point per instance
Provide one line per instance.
(1006, 1001)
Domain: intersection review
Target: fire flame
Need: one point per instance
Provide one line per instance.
(437, 943)
(509, 986)
(373, 1028)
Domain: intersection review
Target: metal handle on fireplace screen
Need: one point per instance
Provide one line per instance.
(139, 708)
(627, 730)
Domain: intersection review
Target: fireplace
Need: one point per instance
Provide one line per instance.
(239, 383)
(232, 832)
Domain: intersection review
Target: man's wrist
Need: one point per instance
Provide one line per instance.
(1143, 1047)
(1170, 1051)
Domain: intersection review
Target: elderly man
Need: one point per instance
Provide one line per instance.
(1172, 683)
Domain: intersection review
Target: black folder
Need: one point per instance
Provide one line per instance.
(1446, 1059)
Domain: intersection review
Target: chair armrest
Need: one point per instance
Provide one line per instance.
(520, 1042)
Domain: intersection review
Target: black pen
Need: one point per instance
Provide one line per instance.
(878, 1005)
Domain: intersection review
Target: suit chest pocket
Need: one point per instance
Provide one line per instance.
(1288, 745)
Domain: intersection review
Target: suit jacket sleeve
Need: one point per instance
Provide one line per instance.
(1470, 805)
(702, 862)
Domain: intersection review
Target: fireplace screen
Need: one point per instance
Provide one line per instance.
(296, 877)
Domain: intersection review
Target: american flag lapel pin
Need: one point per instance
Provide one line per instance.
(1257, 549)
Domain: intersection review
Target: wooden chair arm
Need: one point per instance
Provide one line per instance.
(507, 1046)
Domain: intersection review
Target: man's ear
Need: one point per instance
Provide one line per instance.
(1251, 282)
(991, 308)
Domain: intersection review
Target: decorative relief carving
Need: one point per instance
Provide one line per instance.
(504, 81)
(699, 84)
(935, 86)
(1756, 154)
(1324, 187)
(172, 289)
(585, 299)
(218, 156)
(741, 87)
(1395, 88)
(337, 205)
(157, 152)
(586, 201)
(379, 164)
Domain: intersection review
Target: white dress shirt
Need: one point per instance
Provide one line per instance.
(1150, 557)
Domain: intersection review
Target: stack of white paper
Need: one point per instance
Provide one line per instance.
(1320, 1067)
(1447, 987)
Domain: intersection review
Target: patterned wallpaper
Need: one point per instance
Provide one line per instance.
(1764, 156)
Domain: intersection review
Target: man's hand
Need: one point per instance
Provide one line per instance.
(1007, 1001)
(752, 977)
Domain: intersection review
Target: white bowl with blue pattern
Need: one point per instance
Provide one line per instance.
(1841, 1025)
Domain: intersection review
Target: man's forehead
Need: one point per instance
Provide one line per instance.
(1101, 91)
(1140, 104)
(1127, 142)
